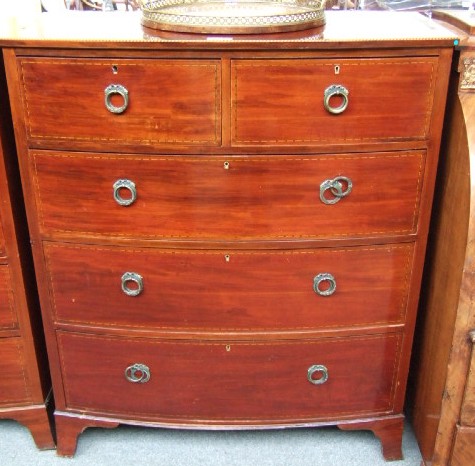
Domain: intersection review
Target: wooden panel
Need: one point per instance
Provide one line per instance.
(255, 198)
(7, 309)
(2, 241)
(464, 447)
(254, 290)
(230, 382)
(467, 416)
(14, 387)
(86, 32)
(442, 349)
(65, 100)
(282, 101)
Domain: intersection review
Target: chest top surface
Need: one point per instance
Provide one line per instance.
(359, 29)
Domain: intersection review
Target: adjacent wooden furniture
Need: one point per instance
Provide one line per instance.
(443, 402)
(229, 232)
(25, 387)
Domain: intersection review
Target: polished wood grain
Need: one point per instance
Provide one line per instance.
(229, 290)
(467, 415)
(2, 242)
(8, 319)
(389, 430)
(464, 447)
(164, 105)
(24, 383)
(342, 30)
(69, 427)
(248, 197)
(442, 280)
(227, 198)
(232, 382)
(14, 383)
(279, 101)
(443, 385)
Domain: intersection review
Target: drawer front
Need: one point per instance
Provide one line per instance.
(230, 382)
(13, 380)
(169, 101)
(238, 290)
(7, 308)
(228, 198)
(282, 101)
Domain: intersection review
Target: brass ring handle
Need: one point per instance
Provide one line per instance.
(135, 278)
(332, 91)
(128, 186)
(116, 89)
(322, 278)
(320, 370)
(339, 187)
(137, 373)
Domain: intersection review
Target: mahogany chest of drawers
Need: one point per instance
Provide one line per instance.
(25, 387)
(229, 232)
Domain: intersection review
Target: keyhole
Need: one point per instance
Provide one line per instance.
(115, 69)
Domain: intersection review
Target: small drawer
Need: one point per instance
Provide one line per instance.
(230, 382)
(122, 102)
(368, 100)
(8, 319)
(13, 380)
(228, 198)
(229, 291)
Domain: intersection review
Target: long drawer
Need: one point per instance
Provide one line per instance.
(225, 198)
(282, 101)
(14, 384)
(232, 382)
(227, 291)
(8, 318)
(168, 101)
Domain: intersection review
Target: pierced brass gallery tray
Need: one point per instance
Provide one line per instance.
(233, 16)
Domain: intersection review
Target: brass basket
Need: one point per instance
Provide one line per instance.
(233, 16)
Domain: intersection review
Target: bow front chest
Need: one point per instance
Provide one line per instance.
(229, 232)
